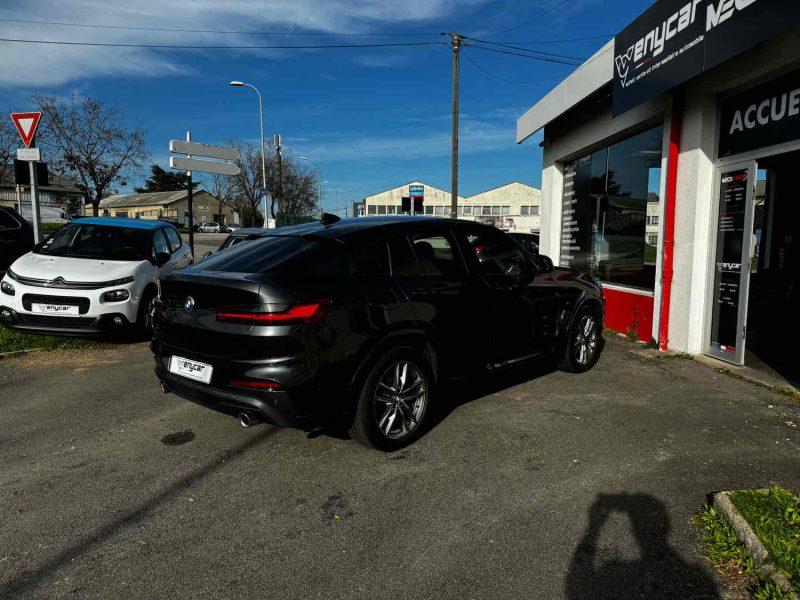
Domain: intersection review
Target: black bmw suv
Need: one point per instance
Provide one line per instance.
(363, 318)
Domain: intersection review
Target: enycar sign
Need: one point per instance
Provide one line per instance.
(676, 40)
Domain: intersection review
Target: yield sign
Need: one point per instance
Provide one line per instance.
(26, 124)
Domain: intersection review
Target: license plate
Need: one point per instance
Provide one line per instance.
(56, 309)
(190, 368)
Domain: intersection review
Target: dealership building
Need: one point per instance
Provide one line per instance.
(669, 159)
(511, 207)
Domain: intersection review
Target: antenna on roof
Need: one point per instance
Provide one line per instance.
(329, 219)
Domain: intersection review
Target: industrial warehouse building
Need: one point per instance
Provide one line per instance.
(668, 173)
(168, 206)
(511, 207)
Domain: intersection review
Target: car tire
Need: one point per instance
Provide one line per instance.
(144, 316)
(584, 341)
(394, 401)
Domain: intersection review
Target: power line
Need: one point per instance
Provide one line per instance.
(187, 47)
(529, 21)
(519, 49)
(216, 31)
(579, 39)
(490, 74)
(560, 61)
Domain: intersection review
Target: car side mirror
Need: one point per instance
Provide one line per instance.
(161, 259)
(544, 264)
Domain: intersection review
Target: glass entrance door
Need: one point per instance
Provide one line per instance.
(733, 259)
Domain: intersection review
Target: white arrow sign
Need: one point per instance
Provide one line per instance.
(203, 150)
(205, 166)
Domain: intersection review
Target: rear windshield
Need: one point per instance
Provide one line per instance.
(100, 242)
(279, 254)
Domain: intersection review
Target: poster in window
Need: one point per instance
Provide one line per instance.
(728, 265)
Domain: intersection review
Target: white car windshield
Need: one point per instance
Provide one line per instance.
(100, 242)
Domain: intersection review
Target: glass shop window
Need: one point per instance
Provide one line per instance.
(610, 211)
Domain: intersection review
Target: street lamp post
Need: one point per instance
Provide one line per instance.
(263, 152)
(319, 182)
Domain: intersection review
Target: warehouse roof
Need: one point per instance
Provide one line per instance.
(146, 199)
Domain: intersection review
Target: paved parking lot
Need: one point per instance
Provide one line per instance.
(205, 242)
(560, 486)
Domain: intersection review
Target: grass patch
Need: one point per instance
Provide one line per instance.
(790, 393)
(775, 517)
(15, 341)
(731, 558)
(679, 356)
(50, 227)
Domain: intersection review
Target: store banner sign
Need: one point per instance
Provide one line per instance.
(765, 116)
(676, 40)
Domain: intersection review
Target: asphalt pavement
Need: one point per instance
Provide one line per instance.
(205, 242)
(531, 485)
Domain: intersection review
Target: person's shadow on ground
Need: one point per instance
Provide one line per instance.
(659, 574)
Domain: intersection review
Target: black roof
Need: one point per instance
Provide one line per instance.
(347, 227)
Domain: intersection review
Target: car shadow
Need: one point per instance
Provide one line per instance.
(449, 396)
(453, 394)
(597, 570)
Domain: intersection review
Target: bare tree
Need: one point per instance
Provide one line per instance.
(223, 188)
(299, 187)
(247, 184)
(9, 142)
(90, 143)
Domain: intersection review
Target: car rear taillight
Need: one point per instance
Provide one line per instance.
(255, 384)
(311, 312)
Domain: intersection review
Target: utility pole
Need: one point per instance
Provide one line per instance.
(456, 43)
(280, 173)
(189, 201)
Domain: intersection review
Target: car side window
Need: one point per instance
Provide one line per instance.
(174, 239)
(7, 221)
(371, 261)
(437, 255)
(496, 252)
(404, 263)
(160, 243)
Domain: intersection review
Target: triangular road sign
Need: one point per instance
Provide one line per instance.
(26, 124)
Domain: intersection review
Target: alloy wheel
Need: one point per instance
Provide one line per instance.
(586, 340)
(400, 399)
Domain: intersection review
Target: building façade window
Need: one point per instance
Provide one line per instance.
(610, 208)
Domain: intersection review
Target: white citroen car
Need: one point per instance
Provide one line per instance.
(92, 276)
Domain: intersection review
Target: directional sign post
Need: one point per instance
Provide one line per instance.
(26, 124)
(190, 164)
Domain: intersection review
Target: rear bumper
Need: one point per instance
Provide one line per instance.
(274, 407)
(88, 326)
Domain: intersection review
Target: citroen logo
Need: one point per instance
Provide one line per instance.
(189, 304)
(57, 282)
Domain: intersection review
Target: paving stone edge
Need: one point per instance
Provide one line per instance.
(20, 352)
(722, 502)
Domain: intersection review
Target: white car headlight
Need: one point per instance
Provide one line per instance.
(116, 296)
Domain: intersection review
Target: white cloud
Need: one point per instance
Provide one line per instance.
(38, 65)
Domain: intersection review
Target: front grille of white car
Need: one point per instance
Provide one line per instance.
(60, 283)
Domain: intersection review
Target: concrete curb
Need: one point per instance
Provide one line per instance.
(722, 502)
(20, 352)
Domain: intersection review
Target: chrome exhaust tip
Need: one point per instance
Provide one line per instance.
(164, 389)
(247, 421)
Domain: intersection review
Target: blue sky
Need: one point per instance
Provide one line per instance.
(370, 119)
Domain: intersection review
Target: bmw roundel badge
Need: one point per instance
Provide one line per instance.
(189, 304)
